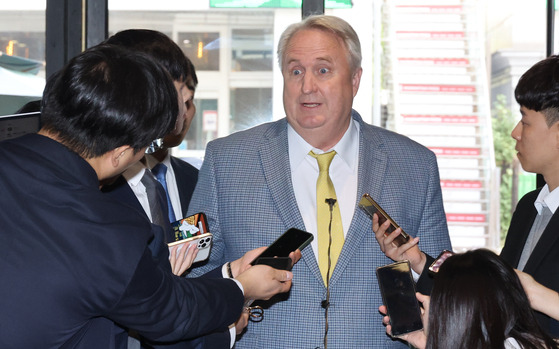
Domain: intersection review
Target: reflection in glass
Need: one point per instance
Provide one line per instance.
(202, 49)
(252, 49)
(250, 107)
(204, 125)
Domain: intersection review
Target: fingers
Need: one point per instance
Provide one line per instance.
(242, 322)
(263, 282)
(181, 259)
(295, 256)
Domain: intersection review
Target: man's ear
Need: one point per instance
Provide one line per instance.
(116, 154)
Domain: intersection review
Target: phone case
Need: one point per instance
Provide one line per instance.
(370, 206)
(193, 228)
(434, 267)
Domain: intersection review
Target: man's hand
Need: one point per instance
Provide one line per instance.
(263, 282)
(242, 322)
(182, 260)
(409, 250)
(240, 265)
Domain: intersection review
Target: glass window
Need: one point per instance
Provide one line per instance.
(250, 107)
(202, 49)
(22, 54)
(203, 127)
(252, 49)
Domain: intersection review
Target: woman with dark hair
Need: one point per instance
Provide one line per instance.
(477, 301)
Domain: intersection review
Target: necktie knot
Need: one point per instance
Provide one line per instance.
(159, 170)
(324, 160)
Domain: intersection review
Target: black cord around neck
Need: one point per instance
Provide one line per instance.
(326, 303)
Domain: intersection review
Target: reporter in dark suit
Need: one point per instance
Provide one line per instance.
(69, 266)
(180, 177)
(532, 243)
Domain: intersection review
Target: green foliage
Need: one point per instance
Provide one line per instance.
(503, 123)
(505, 204)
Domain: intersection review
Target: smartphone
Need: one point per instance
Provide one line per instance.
(193, 228)
(434, 267)
(277, 254)
(371, 207)
(398, 293)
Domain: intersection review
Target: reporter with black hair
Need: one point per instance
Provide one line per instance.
(74, 261)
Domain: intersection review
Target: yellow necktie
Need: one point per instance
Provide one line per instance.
(330, 238)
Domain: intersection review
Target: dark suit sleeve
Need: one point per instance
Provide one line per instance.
(425, 282)
(164, 307)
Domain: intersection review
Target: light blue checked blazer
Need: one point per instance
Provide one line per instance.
(245, 188)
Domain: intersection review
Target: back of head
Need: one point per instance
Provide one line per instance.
(107, 97)
(538, 89)
(478, 302)
(335, 25)
(162, 49)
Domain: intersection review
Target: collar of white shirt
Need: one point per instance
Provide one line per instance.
(545, 198)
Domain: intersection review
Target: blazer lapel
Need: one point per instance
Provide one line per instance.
(545, 244)
(274, 157)
(372, 166)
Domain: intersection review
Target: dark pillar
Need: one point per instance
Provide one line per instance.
(72, 26)
(312, 7)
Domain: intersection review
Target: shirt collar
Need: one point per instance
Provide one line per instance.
(134, 173)
(346, 148)
(151, 161)
(545, 198)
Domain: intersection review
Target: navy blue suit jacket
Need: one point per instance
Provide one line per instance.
(186, 176)
(75, 261)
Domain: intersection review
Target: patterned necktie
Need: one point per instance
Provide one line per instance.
(160, 171)
(330, 230)
(155, 205)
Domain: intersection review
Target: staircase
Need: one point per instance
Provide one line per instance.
(434, 73)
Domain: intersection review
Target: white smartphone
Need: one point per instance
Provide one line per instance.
(193, 228)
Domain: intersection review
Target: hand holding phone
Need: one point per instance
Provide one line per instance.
(398, 293)
(434, 267)
(193, 228)
(277, 254)
(371, 207)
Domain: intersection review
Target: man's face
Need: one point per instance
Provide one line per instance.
(187, 109)
(319, 87)
(536, 143)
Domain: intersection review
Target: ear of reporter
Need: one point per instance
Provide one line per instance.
(263, 282)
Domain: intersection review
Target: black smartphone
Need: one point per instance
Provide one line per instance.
(371, 207)
(398, 293)
(193, 228)
(277, 254)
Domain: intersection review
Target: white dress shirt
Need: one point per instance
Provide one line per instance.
(133, 176)
(343, 172)
(545, 198)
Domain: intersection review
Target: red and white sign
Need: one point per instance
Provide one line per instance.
(437, 88)
(431, 8)
(448, 151)
(462, 62)
(466, 217)
(209, 121)
(457, 184)
(407, 34)
(441, 119)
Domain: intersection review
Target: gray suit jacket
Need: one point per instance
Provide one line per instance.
(245, 188)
